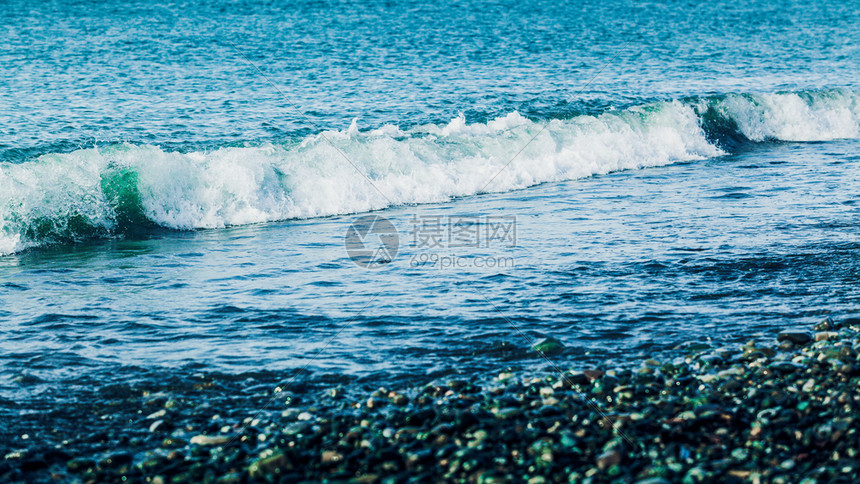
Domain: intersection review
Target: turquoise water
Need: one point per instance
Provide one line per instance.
(165, 211)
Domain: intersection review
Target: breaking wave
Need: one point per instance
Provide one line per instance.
(122, 188)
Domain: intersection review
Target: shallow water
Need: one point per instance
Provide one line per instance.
(624, 265)
(662, 206)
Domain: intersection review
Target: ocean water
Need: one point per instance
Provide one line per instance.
(177, 183)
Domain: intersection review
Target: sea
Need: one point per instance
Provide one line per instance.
(378, 193)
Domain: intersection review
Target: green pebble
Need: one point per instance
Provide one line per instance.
(548, 346)
(739, 454)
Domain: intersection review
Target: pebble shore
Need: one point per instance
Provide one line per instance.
(784, 412)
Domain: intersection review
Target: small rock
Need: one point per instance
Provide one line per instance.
(784, 367)
(505, 375)
(297, 428)
(593, 374)
(825, 325)
(740, 454)
(509, 413)
(785, 346)
(174, 442)
(575, 378)
(152, 464)
(850, 322)
(826, 335)
(608, 459)
(756, 431)
(115, 460)
(707, 377)
(232, 478)
(796, 336)
(331, 457)
(767, 351)
(548, 346)
(209, 440)
(157, 415)
(80, 464)
(405, 433)
(155, 398)
(269, 467)
(159, 426)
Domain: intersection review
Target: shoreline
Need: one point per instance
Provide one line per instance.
(780, 412)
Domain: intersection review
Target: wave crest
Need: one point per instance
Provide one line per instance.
(124, 187)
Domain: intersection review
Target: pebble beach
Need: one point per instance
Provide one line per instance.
(779, 412)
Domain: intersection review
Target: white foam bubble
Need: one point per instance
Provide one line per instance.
(319, 175)
(11, 243)
(820, 116)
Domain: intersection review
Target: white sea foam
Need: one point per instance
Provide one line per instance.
(53, 196)
(817, 116)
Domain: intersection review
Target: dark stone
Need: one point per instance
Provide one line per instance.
(115, 460)
(784, 367)
(548, 411)
(466, 420)
(80, 464)
(848, 322)
(153, 463)
(608, 459)
(593, 374)
(796, 336)
(548, 346)
(271, 466)
(420, 417)
(825, 325)
(34, 464)
(576, 378)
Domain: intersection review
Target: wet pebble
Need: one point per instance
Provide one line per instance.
(795, 336)
(548, 346)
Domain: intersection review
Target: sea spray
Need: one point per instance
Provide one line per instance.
(120, 188)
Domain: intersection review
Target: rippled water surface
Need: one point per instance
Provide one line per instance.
(165, 210)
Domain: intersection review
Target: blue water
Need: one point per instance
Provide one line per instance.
(165, 210)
